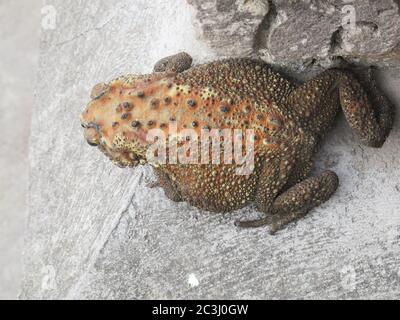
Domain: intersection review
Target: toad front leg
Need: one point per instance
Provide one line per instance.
(177, 63)
(169, 187)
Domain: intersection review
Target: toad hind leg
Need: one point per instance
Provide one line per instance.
(296, 202)
(371, 114)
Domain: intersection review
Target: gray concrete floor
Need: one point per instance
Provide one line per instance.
(332, 254)
(19, 42)
(98, 232)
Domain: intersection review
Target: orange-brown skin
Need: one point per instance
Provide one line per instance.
(288, 123)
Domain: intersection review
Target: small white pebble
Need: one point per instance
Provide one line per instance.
(193, 281)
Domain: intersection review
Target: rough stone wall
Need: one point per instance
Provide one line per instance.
(302, 32)
(96, 231)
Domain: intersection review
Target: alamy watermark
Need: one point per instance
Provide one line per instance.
(49, 17)
(49, 278)
(348, 278)
(349, 18)
(212, 146)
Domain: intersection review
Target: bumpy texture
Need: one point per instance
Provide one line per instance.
(288, 123)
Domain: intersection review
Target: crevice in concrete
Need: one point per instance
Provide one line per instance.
(336, 41)
(124, 212)
(337, 36)
(368, 24)
(98, 28)
(397, 2)
(103, 242)
(264, 32)
(116, 225)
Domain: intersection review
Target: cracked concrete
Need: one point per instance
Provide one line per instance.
(84, 33)
(98, 232)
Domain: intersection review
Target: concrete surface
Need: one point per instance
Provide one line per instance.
(97, 232)
(19, 47)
